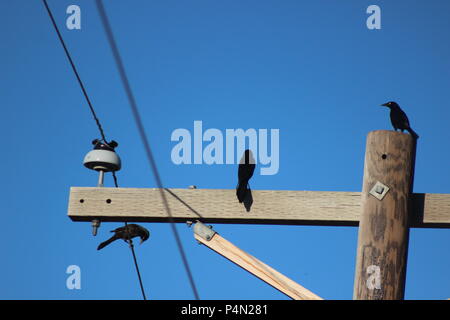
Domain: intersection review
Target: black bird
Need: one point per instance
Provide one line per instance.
(245, 172)
(127, 233)
(399, 119)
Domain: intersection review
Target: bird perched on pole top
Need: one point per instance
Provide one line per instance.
(245, 172)
(127, 233)
(399, 119)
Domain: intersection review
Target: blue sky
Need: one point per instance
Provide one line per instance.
(311, 69)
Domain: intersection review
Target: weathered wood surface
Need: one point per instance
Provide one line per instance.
(383, 235)
(221, 206)
(258, 268)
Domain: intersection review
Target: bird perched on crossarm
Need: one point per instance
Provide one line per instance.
(399, 119)
(245, 172)
(127, 233)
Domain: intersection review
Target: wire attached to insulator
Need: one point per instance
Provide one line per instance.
(140, 127)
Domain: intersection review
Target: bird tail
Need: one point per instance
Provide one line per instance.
(413, 133)
(105, 243)
(241, 192)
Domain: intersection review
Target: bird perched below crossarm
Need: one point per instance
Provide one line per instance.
(245, 172)
(399, 119)
(127, 233)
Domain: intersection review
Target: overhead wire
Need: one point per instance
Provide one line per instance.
(94, 115)
(130, 243)
(100, 128)
(143, 136)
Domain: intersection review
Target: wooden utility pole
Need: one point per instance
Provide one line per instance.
(384, 210)
(383, 225)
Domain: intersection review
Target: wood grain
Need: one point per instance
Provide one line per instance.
(258, 268)
(221, 206)
(384, 227)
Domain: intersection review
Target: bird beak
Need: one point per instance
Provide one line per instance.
(142, 240)
(385, 104)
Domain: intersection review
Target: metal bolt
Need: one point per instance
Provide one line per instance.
(95, 226)
(379, 189)
(101, 178)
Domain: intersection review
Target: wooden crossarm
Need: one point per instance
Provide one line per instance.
(221, 206)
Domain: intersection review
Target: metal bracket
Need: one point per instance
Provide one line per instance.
(379, 190)
(204, 231)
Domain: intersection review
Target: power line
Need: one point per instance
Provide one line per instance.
(75, 71)
(143, 136)
(130, 242)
